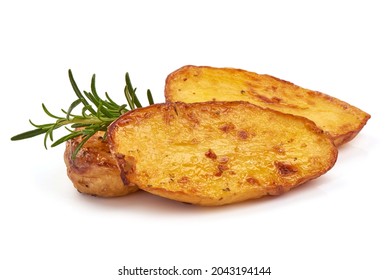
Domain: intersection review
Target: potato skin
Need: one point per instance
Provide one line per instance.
(94, 171)
(339, 119)
(217, 153)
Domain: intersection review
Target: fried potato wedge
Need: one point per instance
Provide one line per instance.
(94, 171)
(216, 153)
(196, 84)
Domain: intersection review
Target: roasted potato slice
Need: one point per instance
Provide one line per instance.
(196, 84)
(215, 153)
(94, 171)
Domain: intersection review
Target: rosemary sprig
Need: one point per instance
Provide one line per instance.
(96, 115)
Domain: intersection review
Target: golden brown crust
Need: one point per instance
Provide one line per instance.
(339, 119)
(94, 171)
(216, 153)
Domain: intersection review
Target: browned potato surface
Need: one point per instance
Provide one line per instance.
(196, 84)
(94, 171)
(216, 153)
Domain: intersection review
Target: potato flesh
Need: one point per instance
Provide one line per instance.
(196, 84)
(217, 153)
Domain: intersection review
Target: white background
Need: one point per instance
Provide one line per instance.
(332, 228)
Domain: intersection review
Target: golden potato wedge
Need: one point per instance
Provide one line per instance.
(215, 153)
(94, 171)
(196, 84)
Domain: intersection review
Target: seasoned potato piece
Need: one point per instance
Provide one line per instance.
(196, 84)
(94, 171)
(216, 153)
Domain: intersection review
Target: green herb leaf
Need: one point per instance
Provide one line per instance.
(96, 115)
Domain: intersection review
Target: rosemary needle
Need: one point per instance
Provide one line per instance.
(96, 115)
